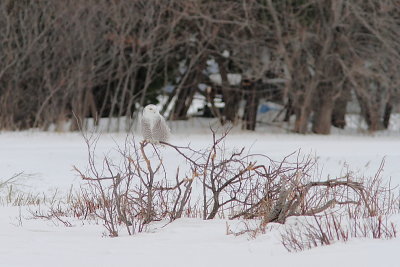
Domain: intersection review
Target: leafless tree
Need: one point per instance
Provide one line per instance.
(106, 59)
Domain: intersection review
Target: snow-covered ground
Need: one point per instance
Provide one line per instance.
(47, 160)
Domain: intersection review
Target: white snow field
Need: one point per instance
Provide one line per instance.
(47, 161)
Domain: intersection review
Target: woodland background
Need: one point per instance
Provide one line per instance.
(78, 59)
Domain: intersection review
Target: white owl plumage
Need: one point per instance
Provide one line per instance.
(154, 127)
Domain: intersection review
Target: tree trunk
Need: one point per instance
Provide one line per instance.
(324, 104)
(301, 123)
(340, 109)
(289, 110)
(252, 101)
(186, 94)
(386, 114)
(303, 106)
(230, 97)
(374, 120)
(231, 107)
(184, 100)
(323, 115)
(371, 114)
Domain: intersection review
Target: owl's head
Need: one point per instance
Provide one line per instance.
(150, 111)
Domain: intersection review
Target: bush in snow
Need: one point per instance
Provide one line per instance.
(135, 188)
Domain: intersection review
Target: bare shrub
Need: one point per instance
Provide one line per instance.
(255, 186)
(11, 193)
(8, 181)
(327, 229)
(134, 188)
(134, 192)
(379, 196)
(368, 218)
(292, 189)
(226, 177)
(55, 213)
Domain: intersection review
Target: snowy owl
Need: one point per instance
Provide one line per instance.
(154, 127)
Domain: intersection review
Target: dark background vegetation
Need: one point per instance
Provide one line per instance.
(61, 59)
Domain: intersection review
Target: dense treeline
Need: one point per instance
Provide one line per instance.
(61, 59)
